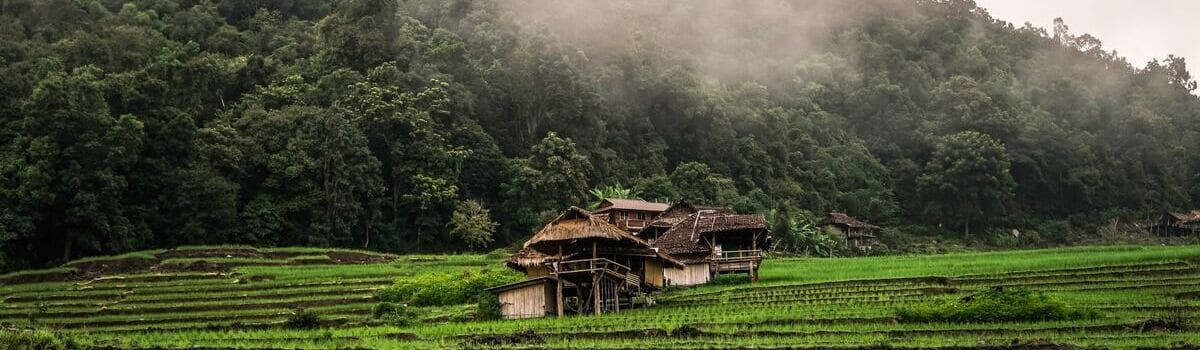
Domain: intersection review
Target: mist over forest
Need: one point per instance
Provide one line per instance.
(447, 126)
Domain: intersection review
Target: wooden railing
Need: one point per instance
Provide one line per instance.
(627, 223)
(582, 265)
(633, 279)
(737, 254)
(598, 264)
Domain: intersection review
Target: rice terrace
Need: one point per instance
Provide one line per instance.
(240, 297)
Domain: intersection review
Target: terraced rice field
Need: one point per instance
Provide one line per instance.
(847, 302)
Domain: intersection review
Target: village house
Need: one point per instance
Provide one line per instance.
(629, 214)
(584, 262)
(859, 235)
(1172, 223)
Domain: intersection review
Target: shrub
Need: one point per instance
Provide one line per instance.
(436, 289)
(726, 280)
(994, 305)
(302, 319)
(498, 253)
(395, 314)
(1055, 231)
(489, 306)
(25, 339)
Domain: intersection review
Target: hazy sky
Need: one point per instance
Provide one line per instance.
(1138, 30)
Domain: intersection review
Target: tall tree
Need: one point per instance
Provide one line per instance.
(967, 181)
(66, 174)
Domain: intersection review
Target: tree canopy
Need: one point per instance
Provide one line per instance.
(415, 125)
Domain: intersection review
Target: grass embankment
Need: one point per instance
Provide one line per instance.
(1140, 296)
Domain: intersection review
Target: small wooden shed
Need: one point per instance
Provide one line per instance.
(535, 297)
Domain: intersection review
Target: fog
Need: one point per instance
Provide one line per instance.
(729, 39)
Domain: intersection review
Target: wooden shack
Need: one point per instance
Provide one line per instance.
(859, 235)
(593, 266)
(535, 297)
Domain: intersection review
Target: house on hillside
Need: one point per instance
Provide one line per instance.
(1171, 223)
(580, 263)
(710, 242)
(629, 214)
(859, 235)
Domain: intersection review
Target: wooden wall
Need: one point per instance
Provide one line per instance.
(538, 270)
(534, 300)
(654, 272)
(692, 274)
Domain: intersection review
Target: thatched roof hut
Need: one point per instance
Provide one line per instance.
(851, 226)
(577, 226)
(1178, 223)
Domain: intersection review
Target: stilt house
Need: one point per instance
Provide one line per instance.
(859, 235)
(1171, 223)
(580, 263)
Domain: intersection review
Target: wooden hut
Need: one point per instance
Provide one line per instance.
(1172, 223)
(593, 265)
(712, 242)
(859, 235)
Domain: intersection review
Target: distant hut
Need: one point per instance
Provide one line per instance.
(592, 265)
(1172, 223)
(710, 242)
(859, 235)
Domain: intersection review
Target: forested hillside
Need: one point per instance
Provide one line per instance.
(426, 125)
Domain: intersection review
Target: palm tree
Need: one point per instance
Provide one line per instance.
(610, 191)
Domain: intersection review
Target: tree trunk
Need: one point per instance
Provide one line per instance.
(67, 248)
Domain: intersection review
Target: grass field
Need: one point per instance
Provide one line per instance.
(238, 296)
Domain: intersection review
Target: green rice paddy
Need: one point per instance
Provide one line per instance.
(240, 300)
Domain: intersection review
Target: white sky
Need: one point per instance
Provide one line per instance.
(1139, 30)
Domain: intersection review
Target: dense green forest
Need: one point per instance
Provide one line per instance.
(426, 125)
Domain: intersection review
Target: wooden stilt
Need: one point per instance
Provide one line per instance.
(596, 293)
(616, 298)
(559, 295)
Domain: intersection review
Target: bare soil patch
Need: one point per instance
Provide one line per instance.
(211, 253)
(345, 257)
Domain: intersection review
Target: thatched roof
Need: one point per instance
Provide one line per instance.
(526, 257)
(609, 204)
(576, 225)
(841, 219)
(680, 210)
(1185, 217)
(684, 238)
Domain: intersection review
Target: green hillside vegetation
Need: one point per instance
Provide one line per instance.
(431, 126)
(1133, 296)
